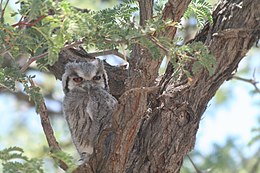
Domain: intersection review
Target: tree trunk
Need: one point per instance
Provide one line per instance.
(156, 123)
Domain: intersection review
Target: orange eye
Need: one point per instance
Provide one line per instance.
(96, 78)
(77, 79)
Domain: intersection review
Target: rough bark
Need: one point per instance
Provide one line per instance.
(156, 123)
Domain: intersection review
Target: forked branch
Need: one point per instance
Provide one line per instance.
(251, 81)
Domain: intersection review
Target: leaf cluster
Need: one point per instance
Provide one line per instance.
(195, 53)
(9, 77)
(13, 160)
(48, 25)
(203, 57)
(201, 10)
(55, 24)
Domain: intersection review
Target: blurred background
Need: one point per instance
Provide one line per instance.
(228, 139)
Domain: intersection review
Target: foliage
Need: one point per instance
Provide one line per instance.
(33, 92)
(8, 78)
(13, 160)
(201, 10)
(93, 4)
(197, 53)
(205, 59)
(55, 24)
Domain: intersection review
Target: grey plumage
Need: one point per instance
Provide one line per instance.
(87, 104)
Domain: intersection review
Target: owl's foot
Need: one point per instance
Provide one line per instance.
(84, 158)
(85, 153)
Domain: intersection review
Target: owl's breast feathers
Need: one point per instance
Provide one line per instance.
(94, 104)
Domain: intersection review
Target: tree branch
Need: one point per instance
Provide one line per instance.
(146, 11)
(31, 60)
(48, 131)
(174, 10)
(157, 42)
(109, 52)
(3, 10)
(141, 57)
(21, 23)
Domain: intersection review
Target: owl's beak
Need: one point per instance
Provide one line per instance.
(86, 85)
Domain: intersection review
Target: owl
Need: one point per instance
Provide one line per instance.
(87, 105)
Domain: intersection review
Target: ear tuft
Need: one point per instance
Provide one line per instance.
(96, 62)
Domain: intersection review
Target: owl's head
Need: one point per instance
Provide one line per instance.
(84, 74)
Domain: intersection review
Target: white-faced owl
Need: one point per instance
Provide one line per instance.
(88, 106)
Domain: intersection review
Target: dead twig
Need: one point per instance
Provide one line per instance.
(194, 165)
(251, 81)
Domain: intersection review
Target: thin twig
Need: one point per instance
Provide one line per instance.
(32, 59)
(48, 131)
(194, 165)
(156, 41)
(3, 11)
(251, 81)
(109, 52)
(20, 23)
(3, 86)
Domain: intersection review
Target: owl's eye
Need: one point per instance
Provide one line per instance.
(77, 79)
(96, 78)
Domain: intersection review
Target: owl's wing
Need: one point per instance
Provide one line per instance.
(102, 103)
(100, 108)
